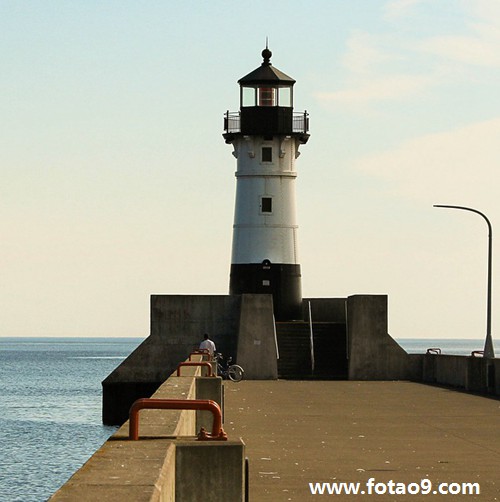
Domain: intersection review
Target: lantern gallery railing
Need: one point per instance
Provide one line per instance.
(232, 122)
(300, 122)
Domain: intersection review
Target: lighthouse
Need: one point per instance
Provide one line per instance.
(266, 134)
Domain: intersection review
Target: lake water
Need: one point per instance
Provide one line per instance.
(50, 409)
(50, 406)
(447, 346)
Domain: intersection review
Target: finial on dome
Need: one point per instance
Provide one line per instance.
(266, 54)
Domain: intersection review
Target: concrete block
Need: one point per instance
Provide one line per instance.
(209, 471)
(496, 376)
(477, 378)
(373, 353)
(208, 388)
(257, 350)
(451, 370)
(429, 368)
(415, 364)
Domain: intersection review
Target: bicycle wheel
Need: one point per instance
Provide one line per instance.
(235, 373)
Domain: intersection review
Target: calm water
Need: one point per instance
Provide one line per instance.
(50, 409)
(447, 346)
(50, 406)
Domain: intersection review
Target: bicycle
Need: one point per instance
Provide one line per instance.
(227, 370)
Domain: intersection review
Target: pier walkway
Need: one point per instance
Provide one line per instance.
(297, 432)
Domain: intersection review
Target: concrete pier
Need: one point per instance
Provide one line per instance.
(413, 435)
(298, 432)
(167, 463)
(350, 338)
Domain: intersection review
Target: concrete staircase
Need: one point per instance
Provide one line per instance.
(330, 350)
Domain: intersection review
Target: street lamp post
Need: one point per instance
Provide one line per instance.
(488, 344)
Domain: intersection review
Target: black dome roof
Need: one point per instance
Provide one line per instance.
(266, 73)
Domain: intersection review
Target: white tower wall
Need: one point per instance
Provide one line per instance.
(259, 233)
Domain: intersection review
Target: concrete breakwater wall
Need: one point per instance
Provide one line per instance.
(474, 374)
(167, 463)
(355, 345)
(243, 326)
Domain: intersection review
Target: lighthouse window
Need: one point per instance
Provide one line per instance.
(266, 205)
(267, 154)
(248, 96)
(285, 96)
(267, 96)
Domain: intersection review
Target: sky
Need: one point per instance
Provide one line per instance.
(116, 183)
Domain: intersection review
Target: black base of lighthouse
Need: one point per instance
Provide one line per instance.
(283, 281)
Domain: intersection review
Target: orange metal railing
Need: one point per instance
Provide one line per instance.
(205, 353)
(202, 364)
(178, 404)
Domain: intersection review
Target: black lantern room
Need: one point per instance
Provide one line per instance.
(266, 105)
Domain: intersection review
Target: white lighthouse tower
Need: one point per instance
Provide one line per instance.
(266, 134)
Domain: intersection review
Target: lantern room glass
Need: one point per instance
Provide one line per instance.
(285, 96)
(266, 95)
(248, 96)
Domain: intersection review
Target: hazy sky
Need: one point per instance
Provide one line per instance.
(116, 183)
